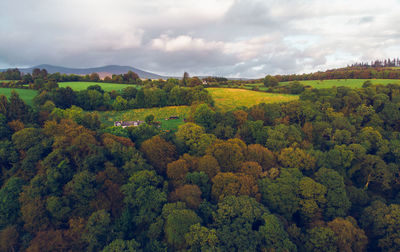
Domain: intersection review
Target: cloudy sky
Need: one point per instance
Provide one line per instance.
(236, 38)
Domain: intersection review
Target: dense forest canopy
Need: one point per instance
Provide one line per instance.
(318, 174)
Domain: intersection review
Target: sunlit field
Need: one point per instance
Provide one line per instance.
(25, 94)
(230, 98)
(81, 85)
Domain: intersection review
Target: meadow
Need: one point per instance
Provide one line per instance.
(230, 98)
(109, 117)
(82, 85)
(25, 94)
(352, 83)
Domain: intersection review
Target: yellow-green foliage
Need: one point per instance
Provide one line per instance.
(230, 98)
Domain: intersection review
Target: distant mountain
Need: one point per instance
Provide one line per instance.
(102, 71)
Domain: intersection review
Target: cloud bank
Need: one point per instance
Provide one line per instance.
(236, 38)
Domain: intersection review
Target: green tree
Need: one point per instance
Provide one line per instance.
(270, 81)
(10, 206)
(177, 224)
(281, 195)
(97, 230)
(237, 222)
(338, 204)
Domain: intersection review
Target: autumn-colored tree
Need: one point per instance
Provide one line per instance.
(229, 155)
(240, 117)
(176, 171)
(190, 194)
(251, 168)
(209, 165)
(349, 236)
(159, 153)
(227, 183)
(9, 239)
(47, 241)
(296, 158)
(261, 155)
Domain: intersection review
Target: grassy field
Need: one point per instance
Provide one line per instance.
(81, 85)
(108, 117)
(352, 83)
(25, 94)
(229, 98)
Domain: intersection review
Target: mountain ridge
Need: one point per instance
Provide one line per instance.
(107, 70)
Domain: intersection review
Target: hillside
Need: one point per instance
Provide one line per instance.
(103, 71)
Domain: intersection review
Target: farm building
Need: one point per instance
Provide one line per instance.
(128, 123)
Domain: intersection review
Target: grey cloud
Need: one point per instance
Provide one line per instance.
(242, 38)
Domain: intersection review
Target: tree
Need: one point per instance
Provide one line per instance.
(270, 81)
(119, 245)
(97, 230)
(227, 183)
(190, 194)
(9, 207)
(176, 172)
(81, 190)
(144, 199)
(349, 236)
(120, 103)
(262, 156)
(229, 155)
(158, 152)
(312, 199)
(237, 222)
(200, 238)
(337, 204)
(274, 235)
(204, 116)
(177, 224)
(320, 239)
(9, 239)
(281, 195)
(296, 158)
(209, 165)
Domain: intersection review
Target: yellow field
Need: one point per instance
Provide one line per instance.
(230, 98)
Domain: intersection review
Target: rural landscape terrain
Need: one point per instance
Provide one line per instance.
(199, 126)
(282, 163)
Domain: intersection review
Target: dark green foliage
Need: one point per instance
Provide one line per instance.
(9, 207)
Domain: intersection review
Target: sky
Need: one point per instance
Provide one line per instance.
(232, 38)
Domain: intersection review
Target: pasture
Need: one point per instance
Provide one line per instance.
(82, 85)
(230, 98)
(109, 117)
(351, 83)
(25, 94)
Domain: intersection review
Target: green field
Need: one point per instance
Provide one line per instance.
(230, 98)
(109, 117)
(352, 83)
(81, 85)
(25, 94)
